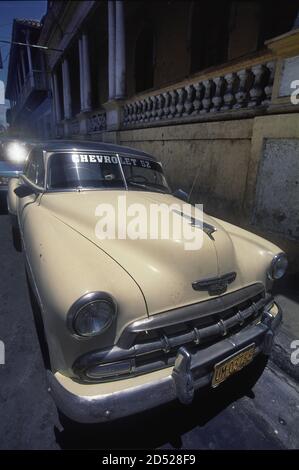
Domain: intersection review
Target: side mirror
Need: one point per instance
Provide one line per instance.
(25, 190)
(180, 194)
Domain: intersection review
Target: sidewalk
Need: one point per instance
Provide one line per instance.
(286, 293)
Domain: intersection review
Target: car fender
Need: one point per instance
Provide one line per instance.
(62, 267)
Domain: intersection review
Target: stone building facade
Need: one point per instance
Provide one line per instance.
(208, 87)
(2, 107)
(27, 84)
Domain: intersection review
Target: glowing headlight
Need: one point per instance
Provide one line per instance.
(92, 314)
(16, 152)
(278, 266)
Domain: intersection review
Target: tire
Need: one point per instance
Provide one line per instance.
(39, 325)
(16, 239)
(250, 375)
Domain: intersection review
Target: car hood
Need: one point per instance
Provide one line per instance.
(163, 269)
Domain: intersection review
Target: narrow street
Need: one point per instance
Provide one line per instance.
(264, 418)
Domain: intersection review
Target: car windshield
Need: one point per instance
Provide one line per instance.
(99, 171)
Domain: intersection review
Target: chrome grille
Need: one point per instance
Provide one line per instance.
(156, 347)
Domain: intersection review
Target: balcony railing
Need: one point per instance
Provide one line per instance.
(240, 89)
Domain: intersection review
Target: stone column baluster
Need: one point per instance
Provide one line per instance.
(148, 111)
(139, 109)
(256, 91)
(160, 105)
(142, 110)
(268, 88)
(173, 100)
(197, 103)
(189, 100)
(125, 114)
(134, 110)
(154, 110)
(217, 99)
(228, 98)
(180, 102)
(166, 108)
(241, 95)
(207, 101)
(129, 117)
(130, 113)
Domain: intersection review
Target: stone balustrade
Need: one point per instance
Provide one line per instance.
(96, 122)
(246, 89)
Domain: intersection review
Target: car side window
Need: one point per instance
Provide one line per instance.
(35, 169)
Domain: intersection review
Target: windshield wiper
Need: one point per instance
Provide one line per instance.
(145, 186)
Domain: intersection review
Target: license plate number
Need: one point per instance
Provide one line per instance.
(232, 364)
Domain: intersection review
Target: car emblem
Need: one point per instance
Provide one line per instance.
(215, 285)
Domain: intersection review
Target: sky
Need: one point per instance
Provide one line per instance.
(33, 10)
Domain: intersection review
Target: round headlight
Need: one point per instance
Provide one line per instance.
(278, 266)
(92, 314)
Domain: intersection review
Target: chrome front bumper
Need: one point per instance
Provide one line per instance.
(191, 372)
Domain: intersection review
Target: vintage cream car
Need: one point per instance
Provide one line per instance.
(132, 324)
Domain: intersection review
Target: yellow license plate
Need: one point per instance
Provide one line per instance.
(232, 364)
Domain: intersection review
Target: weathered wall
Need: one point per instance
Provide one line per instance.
(224, 161)
(213, 156)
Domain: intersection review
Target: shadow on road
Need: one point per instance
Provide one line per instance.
(162, 426)
(3, 204)
(288, 286)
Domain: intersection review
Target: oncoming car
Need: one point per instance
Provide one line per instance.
(132, 324)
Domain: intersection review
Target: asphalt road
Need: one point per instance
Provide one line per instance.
(264, 418)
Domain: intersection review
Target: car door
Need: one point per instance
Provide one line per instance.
(31, 188)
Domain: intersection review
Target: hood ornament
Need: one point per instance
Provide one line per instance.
(207, 228)
(215, 285)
